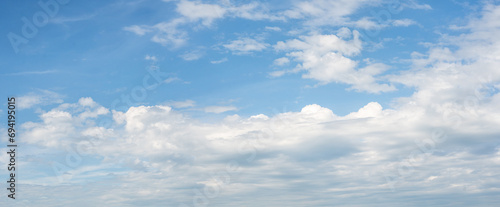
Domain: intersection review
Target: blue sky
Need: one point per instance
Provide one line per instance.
(319, 102)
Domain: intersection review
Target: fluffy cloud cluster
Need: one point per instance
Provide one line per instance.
(183, 160)
(326, 59)
(61, 125)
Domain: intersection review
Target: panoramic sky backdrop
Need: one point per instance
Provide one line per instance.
(252, 103)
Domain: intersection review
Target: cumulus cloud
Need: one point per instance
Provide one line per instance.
(60, 126)
(326, 58)
(372, 109)
(370, 150)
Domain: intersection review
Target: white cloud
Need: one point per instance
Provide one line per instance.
(63, 20)
(403, 22)
(259, 117)
(87, 102)
(344, 33)
(311, 13)
(138, 30)
(323, 44)
(413, 4)
(40, 98)
(171, 79)
(207, 13)
(323, 12)
(34, 72)
(281, 61)
(182, 104)
(326, 58)
(165, 33)
(253, 11)
(218, 61)
(60, 126)
(195, 11)
(246, 45)
(276, 29)
(372, 109)
(472, 65)
(150, 57)
(277, 73)
(199, 15)
(192, 55)
(350, 153)
(317, 13)
(365, 152)
(367, 24)
(219, 109)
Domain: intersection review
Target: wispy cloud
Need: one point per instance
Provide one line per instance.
(193, 55)
(202, 15)
(276, 29)
(43, 72)
(403, 22)
(182, 104)
(39, 98)
(150, 57)
(138, 30)
(172, 79)
(246, 46)
(219, 61)
(63, 20)
(219, 109)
